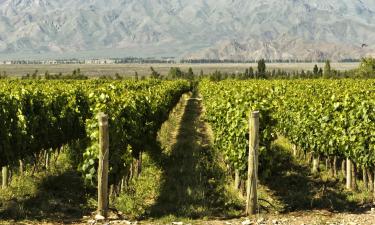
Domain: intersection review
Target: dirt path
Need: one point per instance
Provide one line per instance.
(194, 177)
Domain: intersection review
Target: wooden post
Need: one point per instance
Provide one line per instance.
(348, 174)
(354, 177)
(5, 176)
(252, 174)
(315, 167)
(334, 166)
(21, 167)
(237, 179)
(364, 178)
(294, 150)
(343, 167)
(103, 165)
(47, 155)
(371, 179)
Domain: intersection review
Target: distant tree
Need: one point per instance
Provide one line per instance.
(47, 76)
(246, 74)
(316, 70)
(117, 76)
(175, 73)
(273, 73)
(320, 71)
(327, 69)
(251, 72)
(190, 74)
(262, 68)
(154, 73)
(366, 68)
(135, 75)
(35, 74)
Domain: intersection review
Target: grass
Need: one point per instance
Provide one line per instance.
(187, 174)
(56, 195)
(294, 188)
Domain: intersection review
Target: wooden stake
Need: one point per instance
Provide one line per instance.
(103, 165)
(348, 174)
(21, 167)
(335, 166)
(371, 179)
(5, 176)
(364, 178)
(315, 167)
(237, 179)
(294, 150)
(252, 174)
(343, 169)
(354, 177)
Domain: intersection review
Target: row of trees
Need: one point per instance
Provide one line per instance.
(75, 75)
(365, 70)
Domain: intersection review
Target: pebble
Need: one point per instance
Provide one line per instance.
(91, 222)
(177, 223)
(99, 218)
(246, 222)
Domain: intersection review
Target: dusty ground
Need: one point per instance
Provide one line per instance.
(296, 218)
(144, 69)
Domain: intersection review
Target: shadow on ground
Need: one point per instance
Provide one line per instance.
(193, 183)
(59, 198)
(299, 190)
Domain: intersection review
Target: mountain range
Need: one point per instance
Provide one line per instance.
(209, 29)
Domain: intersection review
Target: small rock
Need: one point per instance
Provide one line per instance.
(99, 218)
(91, 222)
(246, 222)
(373, 210)
(260, 220)
(177, 223)
(275, 222)
(228, 223)
(352, 223)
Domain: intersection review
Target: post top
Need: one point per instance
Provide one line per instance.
(102, 116)
(255, 114)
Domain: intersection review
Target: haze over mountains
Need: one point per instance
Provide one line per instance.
(215, 29)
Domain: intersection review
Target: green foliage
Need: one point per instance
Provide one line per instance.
(154, 73)
(262, 68)
(366, 68)
(316, 70)
(50, 114)
(228, 105)
(327, 69)
(327, 117)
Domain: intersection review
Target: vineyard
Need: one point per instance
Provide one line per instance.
(331, 119)
(43, 116)
(321, 119)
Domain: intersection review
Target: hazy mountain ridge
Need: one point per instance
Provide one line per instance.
(193, 28)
